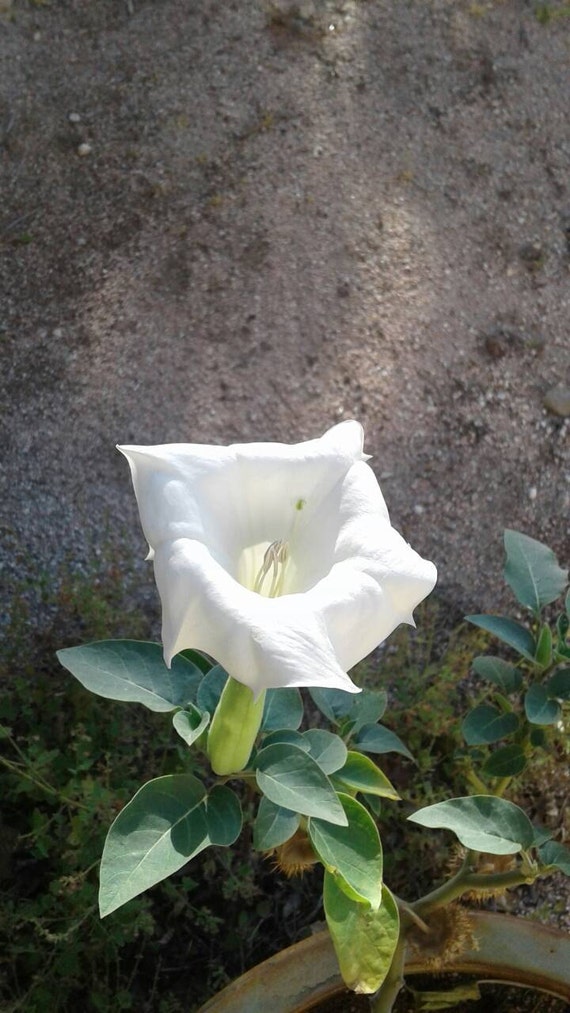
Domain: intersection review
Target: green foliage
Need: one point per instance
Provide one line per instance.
(532, 571)
(307, 780)
(360, 774)
(364, 939)
(70, 761)
(352, 855)
(169, 821)
(283, 709)
(485, 724)
(481, 822)
(510, 632)
(290, 778)
(133, 672)
(327, 749)
(273, 825)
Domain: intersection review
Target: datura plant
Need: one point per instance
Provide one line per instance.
(278, 569)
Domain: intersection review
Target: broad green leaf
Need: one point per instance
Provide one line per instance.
(283, 709)
(292, 779)
(481, 822)
(367, 708)
(554, 853)
(543, 653)
(351, 854)
(562, 627)
(364, 940)
(360, 773)
(133, 671)
(532, 571)
(505, 676)
(223, 815)
(378, 739)
(273, 825)
(287, 735)
(541, 836)
(558, 686)
(539, 708)
(198, 659)
(333, 703)
(508, 761)
(485, 724)
(326, 748)
(156, 833)
(508, 631)
(190, 723)
(211, 688)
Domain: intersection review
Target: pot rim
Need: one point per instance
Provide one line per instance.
(514, 949)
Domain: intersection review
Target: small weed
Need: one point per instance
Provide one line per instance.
(545, 13)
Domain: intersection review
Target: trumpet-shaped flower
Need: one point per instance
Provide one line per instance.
(278, 561)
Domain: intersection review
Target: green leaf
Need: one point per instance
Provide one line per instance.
(485, 724)
(558, 686)
(539, 708)
(190, 723)
(292, 779)
(333, 703)
(326, 748)
(541, 836)
(198, 659)
(543, 654)
(287, 735)
(555, 854)
(364, 940)
(378, 739)
(283, 709)
(273, 825)
(156, 833)
(505, 676)
(360, 773)
(211, 688)
(223, 815)
(133, 671)
(367, 708)
(481, 822)
(351, 854)
(562, 627)
(508, 761)
(532, 571)
(508, 631)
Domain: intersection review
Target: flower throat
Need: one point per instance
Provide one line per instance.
(275, 559)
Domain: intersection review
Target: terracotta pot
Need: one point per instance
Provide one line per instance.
(514, 950)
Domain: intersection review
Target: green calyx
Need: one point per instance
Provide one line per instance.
(234, 728)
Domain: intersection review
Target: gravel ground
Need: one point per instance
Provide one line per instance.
(245, 220)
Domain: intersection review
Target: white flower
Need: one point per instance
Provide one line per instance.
(278, 561)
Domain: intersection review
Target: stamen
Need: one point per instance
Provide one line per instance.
(276, 556)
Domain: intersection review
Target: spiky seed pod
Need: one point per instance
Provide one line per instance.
(450, 934)
(295, 856)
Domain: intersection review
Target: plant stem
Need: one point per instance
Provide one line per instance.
(41, 784)
(465, 880)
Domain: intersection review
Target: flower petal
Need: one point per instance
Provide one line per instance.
(261, 642)
(209, 513)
